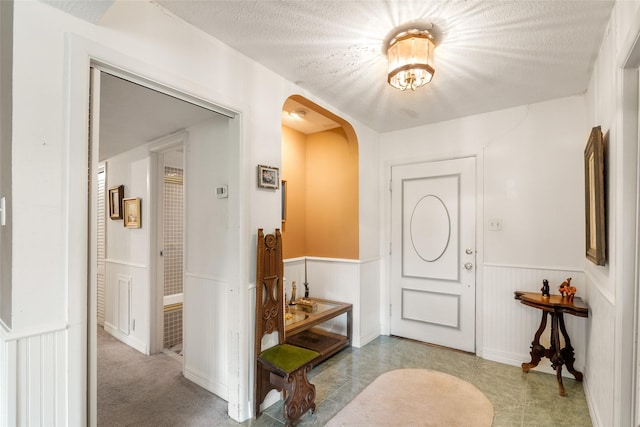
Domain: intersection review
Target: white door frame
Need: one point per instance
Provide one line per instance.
(627, 322)
(81, 349)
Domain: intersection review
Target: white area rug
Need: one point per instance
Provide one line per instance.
(417, 397)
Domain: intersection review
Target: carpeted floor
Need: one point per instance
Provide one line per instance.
(138, 390)
(417, 397)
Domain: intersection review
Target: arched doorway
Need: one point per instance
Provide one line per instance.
(320, 174)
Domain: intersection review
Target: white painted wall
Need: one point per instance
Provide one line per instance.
(209, 265)
(609, 289)
(128, 254)
(529, 174)
(49, 185)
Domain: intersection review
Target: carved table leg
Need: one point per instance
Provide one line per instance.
(300, 394)
(554, 351)
(567, 351)
(537, 351)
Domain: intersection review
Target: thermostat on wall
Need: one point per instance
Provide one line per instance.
(222, 192)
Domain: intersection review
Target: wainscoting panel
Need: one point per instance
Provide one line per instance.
(206, 336)
(33, 378)
(369, 310)
(124, 303)
(599, 379)
(509, 326)
(127, 308)
(332, 279)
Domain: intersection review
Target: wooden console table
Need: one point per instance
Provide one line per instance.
(555, 305)
(301, 329)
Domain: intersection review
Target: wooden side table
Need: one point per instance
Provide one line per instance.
(300, 329)
(555, 305)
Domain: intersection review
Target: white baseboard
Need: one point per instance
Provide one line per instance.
(592, 405)
(366, 340)
(127, 339)
(214, 387)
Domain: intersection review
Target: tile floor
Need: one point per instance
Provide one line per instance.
(518, 399)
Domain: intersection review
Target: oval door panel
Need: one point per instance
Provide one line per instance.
(430, 228)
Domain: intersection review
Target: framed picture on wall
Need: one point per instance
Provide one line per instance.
(116, 195)
(132, 212)
(594, 198)
(268, 177)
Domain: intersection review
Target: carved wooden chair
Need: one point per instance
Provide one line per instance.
(282, 367)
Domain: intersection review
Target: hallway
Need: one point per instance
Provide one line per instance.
(150, 390)
(134, 389)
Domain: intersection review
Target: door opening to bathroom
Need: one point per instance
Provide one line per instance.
(170, 275)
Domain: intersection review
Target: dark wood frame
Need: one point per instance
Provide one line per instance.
(284, 200)
(116, 194)
(595, 223)
(273, 183)
(135, 222)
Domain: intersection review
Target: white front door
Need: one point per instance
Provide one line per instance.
(433, 272)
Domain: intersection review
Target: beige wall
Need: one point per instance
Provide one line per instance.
(294, 171)
(321, 171)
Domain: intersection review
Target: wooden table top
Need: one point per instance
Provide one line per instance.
(327, 309)
(577, 307)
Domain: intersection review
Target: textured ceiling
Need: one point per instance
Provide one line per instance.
(490, 55)
(131, 114)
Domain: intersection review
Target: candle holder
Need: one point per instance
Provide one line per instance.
(306, 283)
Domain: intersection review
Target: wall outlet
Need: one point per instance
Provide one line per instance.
(495, 224)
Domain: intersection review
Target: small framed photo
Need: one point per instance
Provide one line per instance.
(116, 194)
(132, 212)
(595, 222)
(268, 177)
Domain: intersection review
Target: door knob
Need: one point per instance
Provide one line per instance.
(469, 251)
(468, 266)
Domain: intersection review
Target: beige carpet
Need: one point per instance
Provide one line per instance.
(417, 397)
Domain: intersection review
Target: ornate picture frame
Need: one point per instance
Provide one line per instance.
(132, 213)
(116, 194)
(595, 222)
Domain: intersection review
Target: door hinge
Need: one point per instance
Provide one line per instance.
(389, 248)
(390, 185)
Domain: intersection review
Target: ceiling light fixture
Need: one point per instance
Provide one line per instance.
(410, 55)
(298, 114)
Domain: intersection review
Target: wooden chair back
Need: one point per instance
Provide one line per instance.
(282, 367)
(269, 288)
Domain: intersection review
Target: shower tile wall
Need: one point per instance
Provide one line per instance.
(173, 326)
(173, 248)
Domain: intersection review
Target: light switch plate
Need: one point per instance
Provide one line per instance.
(495, 224)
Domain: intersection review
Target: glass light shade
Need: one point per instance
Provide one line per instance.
(410, 57)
